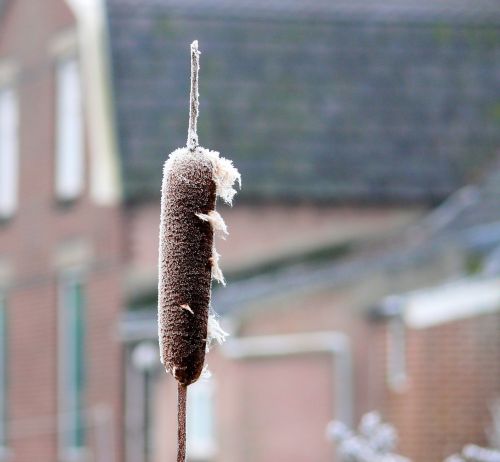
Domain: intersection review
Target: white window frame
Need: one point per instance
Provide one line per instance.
(69, 126)
(67, 451)
(201, 441)
(9, 150)
(397, 374)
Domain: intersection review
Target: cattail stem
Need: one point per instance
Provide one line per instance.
(181, 422)
(192, 140)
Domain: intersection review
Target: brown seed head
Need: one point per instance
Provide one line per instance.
(185, 263)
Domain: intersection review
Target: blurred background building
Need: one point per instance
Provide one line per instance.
(363, 259)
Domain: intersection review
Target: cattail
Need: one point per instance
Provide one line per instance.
(192, 179)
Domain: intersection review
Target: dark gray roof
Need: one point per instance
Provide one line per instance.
(359, 101)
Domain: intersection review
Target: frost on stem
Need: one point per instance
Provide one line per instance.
(215, 333)
(214, 330)
(192, 140)
(473, 453)
(225, 175)
(215, 220)
(216, 271)
(476, 453)
(373, 441)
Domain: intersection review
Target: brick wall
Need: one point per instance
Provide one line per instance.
(453, 378)
(31, 244)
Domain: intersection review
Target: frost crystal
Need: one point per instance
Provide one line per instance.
(373, 442)
(216, 271)
(215, 220)
(473, 453)
(225, 175)
(215, 331)
(205, 373)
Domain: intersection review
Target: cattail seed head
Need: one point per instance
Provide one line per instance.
(187, 259)
(185, 268)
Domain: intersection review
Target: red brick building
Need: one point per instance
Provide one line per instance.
(61, 246)
(347, 130)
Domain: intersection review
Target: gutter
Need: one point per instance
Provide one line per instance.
(462, 299)
(333, 343)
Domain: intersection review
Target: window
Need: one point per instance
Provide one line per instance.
(71, 366)
(200, 443)
(396, 353)
(3, 376)
(9, 161)
(69, 161)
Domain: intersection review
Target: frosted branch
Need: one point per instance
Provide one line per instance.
(192, 140)
(374, 441)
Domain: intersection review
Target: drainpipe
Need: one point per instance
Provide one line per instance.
(144, 359)
(334, 343)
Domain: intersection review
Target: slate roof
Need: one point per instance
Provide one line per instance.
(323, 100)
